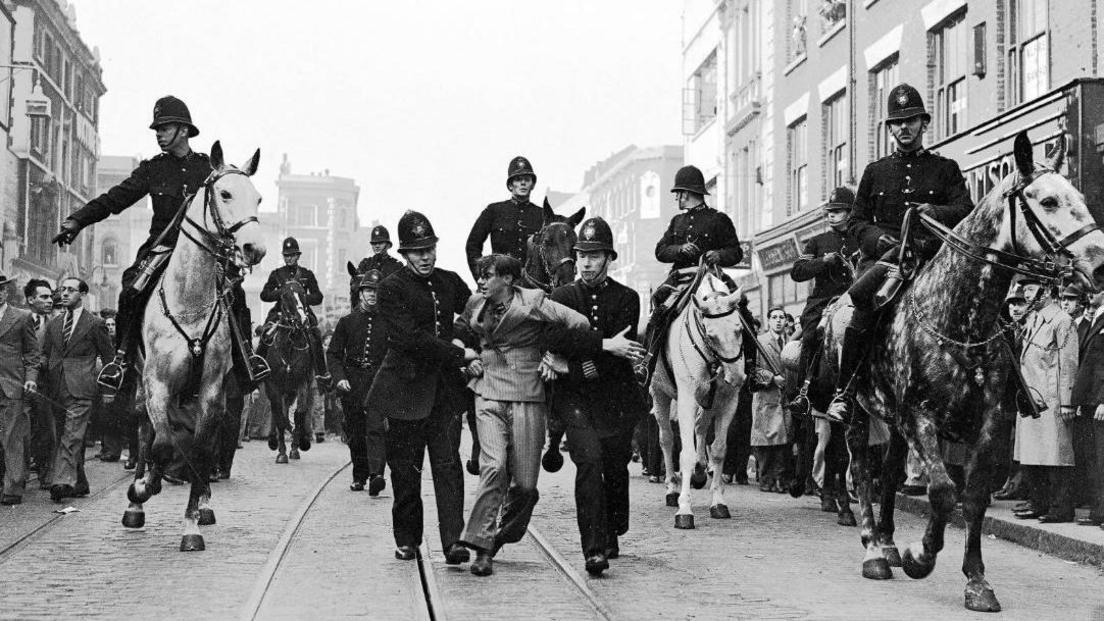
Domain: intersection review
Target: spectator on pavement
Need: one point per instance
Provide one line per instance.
(1088, 395)
(770, 424)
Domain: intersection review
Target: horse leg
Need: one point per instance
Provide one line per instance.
(204, 452)
(687, 414)
(893, 474)
(718, 509)
(304, 424)
(192, 540)
(296, 424)
(975, 499)
(135, 514)
(835, 474)
(661, 409)
(875, 566)
(279, 424)
(918, 560)
(702, 419)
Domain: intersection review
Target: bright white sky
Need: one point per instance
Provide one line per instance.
(423, 103)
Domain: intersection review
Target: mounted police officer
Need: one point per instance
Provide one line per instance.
(509, 223)
(598, 399)
(294, 275)
(168, 178)
(699, 232)
(420, 389)
(380, 261)
(356, 351)
(910, 177)
(826, 260)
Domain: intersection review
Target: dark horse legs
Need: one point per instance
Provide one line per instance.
(975, 499)
(875, 566)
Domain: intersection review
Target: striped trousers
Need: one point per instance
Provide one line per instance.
(511, 436)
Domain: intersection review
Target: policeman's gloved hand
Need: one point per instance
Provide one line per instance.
(713, 257)
(887, 241)
(69, 230)
(832, 258)
(690, 250)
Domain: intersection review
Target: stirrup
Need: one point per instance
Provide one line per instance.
(258, 368)
(111, 375)
(324, 381)
(800, 405)
(839, 411)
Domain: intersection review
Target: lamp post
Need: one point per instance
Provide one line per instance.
(38, 104)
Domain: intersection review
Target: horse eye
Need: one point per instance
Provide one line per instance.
(1049, 202)
(225, 195)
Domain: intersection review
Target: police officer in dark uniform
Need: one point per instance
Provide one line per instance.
(826, 260)
(295, 275)
(168, 179)
(420, 389)
(380, 261)
(509, 223)
(356, 350)
(910, 177)
(700, 231)
(599, 399)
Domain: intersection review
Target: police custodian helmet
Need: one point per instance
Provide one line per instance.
(690, 179)
(291, 246)
(595, 234)
(169, 109)
(369, 280)
(380, 235)
(840, 198)
(415, 232)
(905, 103)
(519, 167)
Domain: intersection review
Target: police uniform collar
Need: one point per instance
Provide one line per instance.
(697, 208)
(520, 203)
(598, 287)
(916, 153)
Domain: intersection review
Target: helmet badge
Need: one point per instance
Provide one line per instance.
(589, 233)
(902, 98)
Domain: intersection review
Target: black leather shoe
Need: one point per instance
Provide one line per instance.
(357, 486)
(483, 565)
(9, 500)
(130, 464)
(406, 553)
(107, 457)
(1055, 518)
(376, 484)
(1028, 515)
(59, 493)
(596, 564)
(613, 550)
(457, 554)
(1089, 521)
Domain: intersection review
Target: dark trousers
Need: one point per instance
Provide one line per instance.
(1084, 456)
(407, 443)
(771, 461)
(1050, 489)
(110, 425)
(739, 438)
(1097, 476)
(365, 436)
(647, 445)
(601, 485)
(228, 429)
(43, 437)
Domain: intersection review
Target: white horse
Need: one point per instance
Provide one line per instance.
(706, 334)
(187, 337)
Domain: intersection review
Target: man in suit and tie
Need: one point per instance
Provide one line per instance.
(1088, 395)
(74, 341)
(19, 354)
(511, 406)
(1072, 300)
(40, 301)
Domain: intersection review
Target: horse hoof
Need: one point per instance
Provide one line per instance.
(914, 567)
(876, 569)
(135, 497)
(281, 459)
(273, 443)
(293, 453)
(134, 519)
(672, 499)
(980, 597)
(684, 521)
(304, 443)
(192, 543)
(552, 460)
(206, 517)
(847, 518)
(698, 478)
(796, 489)
(473, 467)
(719, 512)
(890, 553)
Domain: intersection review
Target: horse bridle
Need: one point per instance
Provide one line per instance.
(546, 264)
(220, 244)
(1016, 261)
(704, 314)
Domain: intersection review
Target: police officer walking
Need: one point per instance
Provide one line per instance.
(911, 176)
(599, 399)
(168, 178)
(420, 390)
(356, 351)
(510, 222)
(295, 275)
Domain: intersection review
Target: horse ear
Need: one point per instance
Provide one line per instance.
(350, 268)
(1057, 156)
(1025, 159)
(216, 156)
(549, 215)
(251, 166)
(577, 217)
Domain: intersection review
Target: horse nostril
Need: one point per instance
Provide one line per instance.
(248, 248)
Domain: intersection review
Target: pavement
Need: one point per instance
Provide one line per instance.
(777, 558)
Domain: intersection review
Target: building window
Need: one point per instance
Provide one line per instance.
(110, 253)
(305, 215)
(951, 63)
(798, 40)
(882, 81)
(835, 141)
(1028, 51)
(700, 97)
(797, 146)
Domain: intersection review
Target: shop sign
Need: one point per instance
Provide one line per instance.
(782, 252)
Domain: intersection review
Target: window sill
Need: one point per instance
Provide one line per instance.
(826, 37)
(868, 3)
(794, 64)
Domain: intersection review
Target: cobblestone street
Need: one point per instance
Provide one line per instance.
(778, 558)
